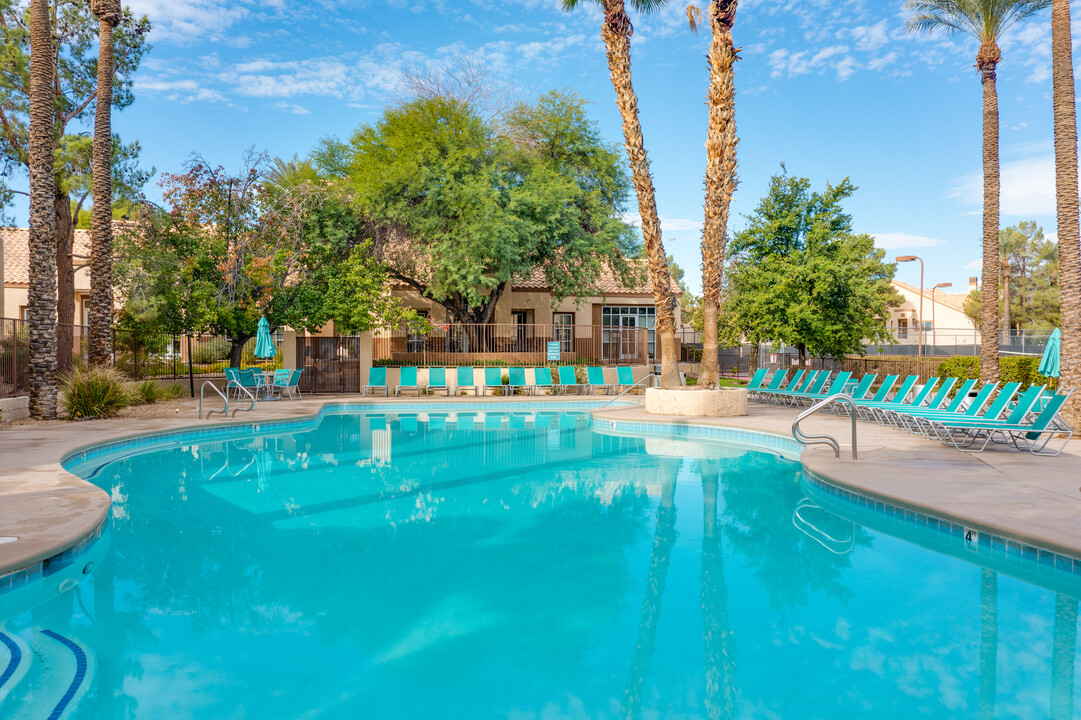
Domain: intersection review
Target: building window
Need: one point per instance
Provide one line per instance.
(622, 332)
(564, 331)
(414, 341)
(902, 329)
(629, 316)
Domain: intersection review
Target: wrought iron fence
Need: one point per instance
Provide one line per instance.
(514, 344)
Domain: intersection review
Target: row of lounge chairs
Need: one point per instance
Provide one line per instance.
(438, 381)
(948, 410)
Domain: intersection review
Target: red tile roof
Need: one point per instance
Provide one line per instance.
(17, 253)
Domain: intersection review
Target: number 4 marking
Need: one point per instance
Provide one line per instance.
(972, 539)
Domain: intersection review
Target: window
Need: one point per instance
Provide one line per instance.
(622, 344)
(564, 331)
(629, 316)
(414, 341)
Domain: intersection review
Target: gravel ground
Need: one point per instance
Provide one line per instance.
(164, 408)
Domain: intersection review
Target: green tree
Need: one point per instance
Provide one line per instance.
(1030, 295)
(458, 210)
(986, 21)
(75, 91)
(800, 275)
(234, 248)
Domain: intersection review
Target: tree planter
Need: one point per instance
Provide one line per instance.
(692, 402)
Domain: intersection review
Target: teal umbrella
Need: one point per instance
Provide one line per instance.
(1049, 363)
(264, 345)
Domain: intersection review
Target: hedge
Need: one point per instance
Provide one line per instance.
(1024, 370)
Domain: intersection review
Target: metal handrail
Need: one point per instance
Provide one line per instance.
(225, 410)
(632, 387)
(826, 439)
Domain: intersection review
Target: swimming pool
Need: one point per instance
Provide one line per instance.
(443, 562)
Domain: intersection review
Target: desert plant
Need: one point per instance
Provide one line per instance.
(149, 391)
(94, 393)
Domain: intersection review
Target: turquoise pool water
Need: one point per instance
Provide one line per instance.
(519, 565)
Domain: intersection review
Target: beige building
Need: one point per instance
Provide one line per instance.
(16, 270)
(944, 319)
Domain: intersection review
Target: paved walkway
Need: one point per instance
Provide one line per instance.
(1016, 495)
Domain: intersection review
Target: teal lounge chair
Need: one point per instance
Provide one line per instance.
(595, 377)
(964, 433)
(465, 380)
(407, 380)
(516, 375)
(756, 380)
(377, 380)
(759, 395)
(493, 378)
(437, 380)
(568, 378)
(542, 379)
(625, 378)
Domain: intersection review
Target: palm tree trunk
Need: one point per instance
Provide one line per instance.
(42, 291)
(1069, 228)
(721, 142)
(65, 280)
(615, 32)
(101, 251)
(986, 61)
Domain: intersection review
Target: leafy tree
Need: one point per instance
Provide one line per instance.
(458, 210)
(801, 276)
(75, 86)
(1030, 294)
(234, 248)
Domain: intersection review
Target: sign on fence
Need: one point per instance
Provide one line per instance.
(553, 350)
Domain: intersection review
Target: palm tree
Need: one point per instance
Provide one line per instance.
(721, 142)
(108, 13)
(616, 33)
(1069, 232)
(41, 144)
(986, 21)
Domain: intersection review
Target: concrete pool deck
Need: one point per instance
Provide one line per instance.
(1016, 495)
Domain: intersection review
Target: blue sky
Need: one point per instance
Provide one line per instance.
(831, 88)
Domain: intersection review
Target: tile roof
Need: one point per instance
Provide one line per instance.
(17, 253)
(950, 300)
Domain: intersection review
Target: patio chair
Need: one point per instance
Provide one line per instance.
(407, 380)
(758, 394)
(1017, 431)
(516, 377)
(493, 378)
(945, 428)
(232, 381)
(902, 417)
(568, 378)
(756, 380)
(377, 380)
(286, 381)
(812, 388)
(254, 382)
(800, 381)
(465, 380)
(542, 379)
(437, 381)
(595, 376)
(625, 378)
(836, 387)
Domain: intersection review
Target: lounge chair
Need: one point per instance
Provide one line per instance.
(944, 427)
(516, 377)
(493, 378)
(625, 378)
(437, 380)
(836, 387)
(568, 378)
(813, 388)
(757, 394)
(756, 380)
(1018, 430)
(903, 417)
(595, 375)
(377, 380)
(465, 380)
(407, 380)
(542, 378)
(800, 382)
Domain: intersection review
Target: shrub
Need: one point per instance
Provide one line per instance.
(95, 393)
(148, 391)
(15, 360)
(210, 351)
(1024, 370)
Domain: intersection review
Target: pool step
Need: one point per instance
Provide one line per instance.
(45, 680)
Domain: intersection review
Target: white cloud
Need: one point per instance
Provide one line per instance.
(293, 108)
(190, 20)
(668, 225)
(904, 241)
(871, 37)
(976, 264)
(1028, 188)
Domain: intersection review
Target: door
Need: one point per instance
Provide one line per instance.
(519, 318)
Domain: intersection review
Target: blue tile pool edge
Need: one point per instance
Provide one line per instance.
(44, 568)
(785, 446)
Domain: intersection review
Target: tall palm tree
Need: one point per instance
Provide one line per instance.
(986, 21)
(41, 145)
(1069, 232)
(108, 13)
(721, 142)
(616, 31)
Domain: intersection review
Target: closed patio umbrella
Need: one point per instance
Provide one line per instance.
(1049, 366)
(264, 345)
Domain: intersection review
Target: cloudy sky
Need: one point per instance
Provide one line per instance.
(830, 88)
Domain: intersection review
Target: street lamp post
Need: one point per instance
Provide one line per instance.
(912, 258)
(934, 328)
